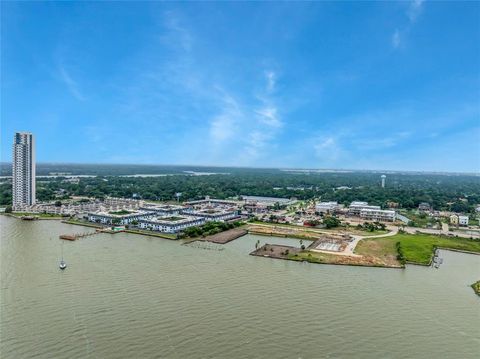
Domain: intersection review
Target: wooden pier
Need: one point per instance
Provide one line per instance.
(74, 237)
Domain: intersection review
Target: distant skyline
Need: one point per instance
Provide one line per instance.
(357, 85)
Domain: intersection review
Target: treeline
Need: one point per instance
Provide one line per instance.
(459, 193)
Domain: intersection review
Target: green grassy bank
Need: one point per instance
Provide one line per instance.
(416, 248)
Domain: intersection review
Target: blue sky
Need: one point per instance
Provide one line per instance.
(360, 85)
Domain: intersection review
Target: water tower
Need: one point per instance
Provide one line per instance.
(383, 180)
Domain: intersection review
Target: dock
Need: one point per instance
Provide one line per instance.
(74, 237)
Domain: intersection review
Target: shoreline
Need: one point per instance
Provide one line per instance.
(276, 254)
(37, 217)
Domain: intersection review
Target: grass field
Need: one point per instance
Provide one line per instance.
(417, 248)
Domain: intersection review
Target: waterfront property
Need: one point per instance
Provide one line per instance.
(118, 217)
(23, 170)
(170, 224)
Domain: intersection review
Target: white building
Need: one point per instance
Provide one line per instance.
(170, 224)
(218, 215)
(118, 217)
(463, 220)
(459, 220)
(23, 171)
(163, 210)
(377, 215)
(326, 207)
(355, 207)
(213, 202)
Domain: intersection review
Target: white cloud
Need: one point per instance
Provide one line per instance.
(327, 149)
(271, 81)
(414, 10)
(396, 39)
(268, 116)
(221, 128)
(178, 34)
(224, 126)
(71, 84)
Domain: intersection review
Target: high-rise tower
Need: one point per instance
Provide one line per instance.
(383, 180)
(23, 172)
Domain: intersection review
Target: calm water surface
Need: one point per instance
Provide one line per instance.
(129, 296)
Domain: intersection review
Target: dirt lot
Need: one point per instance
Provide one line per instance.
(227, 236)
(285, 231)
(275, 251)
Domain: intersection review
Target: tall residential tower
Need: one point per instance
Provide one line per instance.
(23, 173)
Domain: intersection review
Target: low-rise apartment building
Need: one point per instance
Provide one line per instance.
(326, 207)
(118, 217)
(356, 207)
(380, 215)
(218, 215)
(163, 210)
(170, 224)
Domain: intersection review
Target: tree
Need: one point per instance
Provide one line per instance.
(331, 222)
(58, 203)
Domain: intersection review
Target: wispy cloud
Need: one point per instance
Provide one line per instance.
(177, 34)
(268, 116)
(396, 39)
(413, 12)
(71, 84)
(224, 125)
(327, 148)
(271, 81)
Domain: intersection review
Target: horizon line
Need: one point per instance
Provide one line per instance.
(257, 167)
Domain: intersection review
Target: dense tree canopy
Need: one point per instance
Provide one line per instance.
(459, 193)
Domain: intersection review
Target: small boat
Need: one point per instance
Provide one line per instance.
(62, 264)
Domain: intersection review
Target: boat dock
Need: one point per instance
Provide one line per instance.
(74, 237)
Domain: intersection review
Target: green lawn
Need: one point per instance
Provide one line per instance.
(417, 248)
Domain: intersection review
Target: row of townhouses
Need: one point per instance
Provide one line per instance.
(163, 218)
